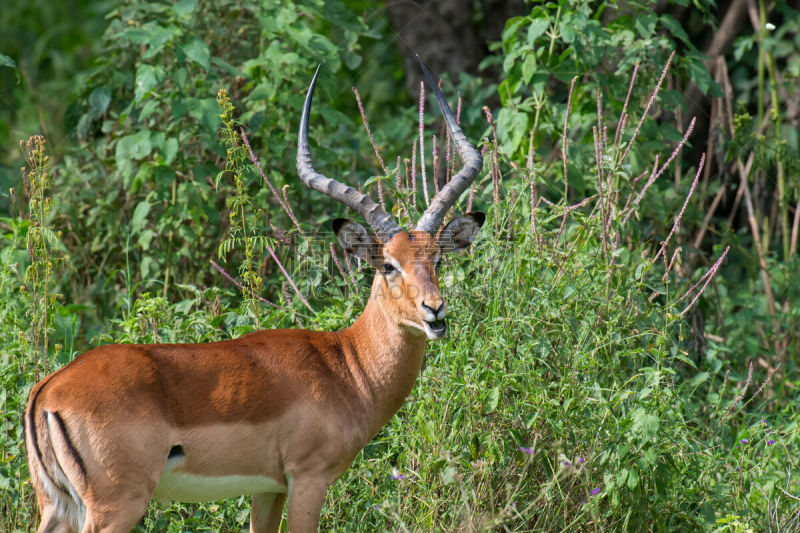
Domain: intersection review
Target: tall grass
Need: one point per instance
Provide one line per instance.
(32, 259)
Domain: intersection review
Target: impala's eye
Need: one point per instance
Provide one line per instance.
(388, 269)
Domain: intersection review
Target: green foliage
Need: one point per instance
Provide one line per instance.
(240, 236)
(146, 122)
(759, 146)
(45, 253)
(545, 50)
(17, 376)
(32, 258)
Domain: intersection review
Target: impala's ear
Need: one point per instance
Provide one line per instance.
(460, 232)
(356, 240)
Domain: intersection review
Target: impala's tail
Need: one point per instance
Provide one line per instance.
(56, 467)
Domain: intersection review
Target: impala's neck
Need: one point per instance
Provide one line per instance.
(390, 355)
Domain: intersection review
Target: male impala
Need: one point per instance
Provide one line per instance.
(273, 413)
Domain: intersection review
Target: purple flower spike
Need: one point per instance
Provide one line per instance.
(744, 441)
(595, 491)
(770, 442)
(566, 463)
(529, 451)
(580, 460)
(396, 475)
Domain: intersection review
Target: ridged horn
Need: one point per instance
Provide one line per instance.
(379, 220)
(433, 216)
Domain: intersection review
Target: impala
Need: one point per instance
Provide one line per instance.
(274, 413)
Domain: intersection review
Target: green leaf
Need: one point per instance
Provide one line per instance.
(227, 67)
(6, 61)
(621, 477)
(633, 478)
(449, 475)
(99, 99)
(511, 128)
(651, 456)
(145, 238)
(184, 8)
(150, 107)
(645, 424)
(170, 150)
(637, 274)
(700, 75)
(529, 67)
(131, 147)
(179, 76)
(569, 290)
(352, 60)
(136, 146)
(427, 430)
(493, 400)
(147, 78)
(536, 29)
(206, 110)
(674, 27)
(645, 24)
(510, 31)
(197, 51)
(152, 35)
(567, 31)
(140, 216)
(475, 447)
(374, 179)
(135, 35)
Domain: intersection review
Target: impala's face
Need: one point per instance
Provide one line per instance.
(408, 269)
(410, 278)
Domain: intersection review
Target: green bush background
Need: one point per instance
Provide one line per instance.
(577, 389)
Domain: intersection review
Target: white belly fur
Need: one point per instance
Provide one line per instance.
(180, 486)
(179, 482)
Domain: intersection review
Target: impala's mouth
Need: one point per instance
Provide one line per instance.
(436, 329)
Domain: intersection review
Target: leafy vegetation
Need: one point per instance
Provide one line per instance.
(621, 344)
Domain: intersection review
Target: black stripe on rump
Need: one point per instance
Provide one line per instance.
(70, 447)
(32, 424)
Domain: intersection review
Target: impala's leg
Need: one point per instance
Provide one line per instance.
(266, 511)
(118, 499)
(51, 523)
(305, 502)
(115, 517)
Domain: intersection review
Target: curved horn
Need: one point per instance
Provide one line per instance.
(381, 222)
(433, 216)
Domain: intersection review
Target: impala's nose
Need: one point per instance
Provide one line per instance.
(435, 325)
(435, 313)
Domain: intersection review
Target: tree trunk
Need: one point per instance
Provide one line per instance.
(450, 35)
